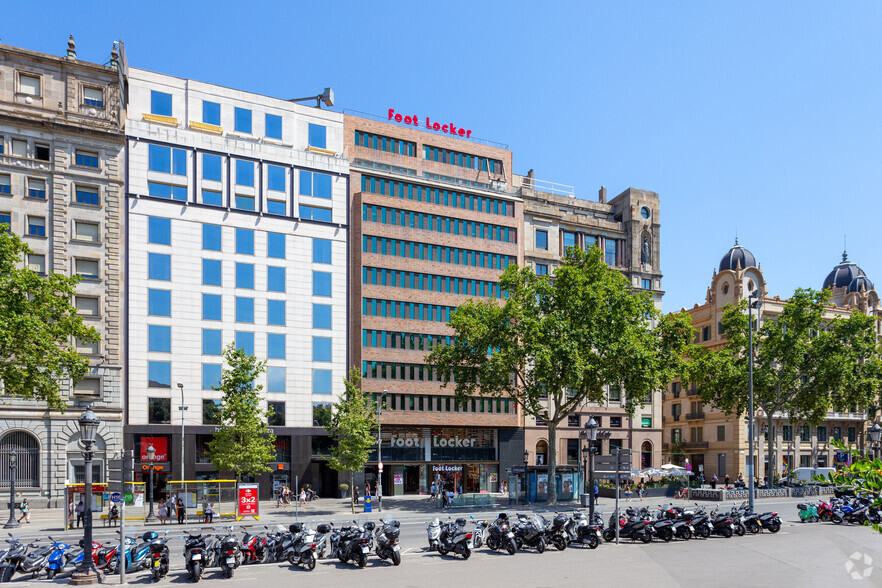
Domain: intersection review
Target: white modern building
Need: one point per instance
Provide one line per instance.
(237, 227)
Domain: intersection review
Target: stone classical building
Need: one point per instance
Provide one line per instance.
(61, 183)
(717, 443)
(626, 229)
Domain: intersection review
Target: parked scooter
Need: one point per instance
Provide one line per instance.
(530, 532)
(159, 556)
(194, 554)
(11, 556)
(386, 537)
(808, 512)
(229, 554)
(580, 530)
(501, 535)
(351, 544)
(253, 548)
(455, 539)
(59, 559)
(24, 562)
(479, 533)
(301, 549)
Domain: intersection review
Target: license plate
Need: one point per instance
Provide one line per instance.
(231, 560)
(156, 563)
(365, 549)
(395, 548)
(510, 534)
(197, 556)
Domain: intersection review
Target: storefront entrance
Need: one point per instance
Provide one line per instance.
(412, 479)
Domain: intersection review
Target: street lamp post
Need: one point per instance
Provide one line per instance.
(151, 457)
(754, 300)
(183, 408)
(380, 453)
(591, 434)
(11, 523)
(526, 478)
(875, 434)
(87, 574)
(585, 451)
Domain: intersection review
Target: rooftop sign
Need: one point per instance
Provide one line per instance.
(414, 120)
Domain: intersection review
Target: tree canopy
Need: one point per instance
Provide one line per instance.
(38, 328)
(557, 342)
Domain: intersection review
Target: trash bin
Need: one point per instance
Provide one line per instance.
(586, 500)
(367, 503)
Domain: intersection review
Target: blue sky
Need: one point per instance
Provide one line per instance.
(759, 116)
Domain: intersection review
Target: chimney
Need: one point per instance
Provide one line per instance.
(602, 195)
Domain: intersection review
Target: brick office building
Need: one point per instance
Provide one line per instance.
(433, 224)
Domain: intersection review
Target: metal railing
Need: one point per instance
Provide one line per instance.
(693, 416)
(548, 186)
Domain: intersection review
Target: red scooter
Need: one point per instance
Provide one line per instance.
(825, 510)
(253, 549)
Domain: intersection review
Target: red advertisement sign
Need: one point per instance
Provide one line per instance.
(247, 500)
(449, 128)
(160, 444)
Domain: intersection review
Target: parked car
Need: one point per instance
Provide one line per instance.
(806, 475)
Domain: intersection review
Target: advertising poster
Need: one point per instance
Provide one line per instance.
(542, 485)
(398, 478)
(247, 501)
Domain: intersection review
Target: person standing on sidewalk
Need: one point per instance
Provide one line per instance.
(355, 494)
(182, 511)
(80, 508)
(25, 511)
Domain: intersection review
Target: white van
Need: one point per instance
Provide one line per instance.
(805, 475)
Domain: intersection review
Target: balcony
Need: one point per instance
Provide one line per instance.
(675, 417)
(696, 445)
(692, 392)
(694, 416)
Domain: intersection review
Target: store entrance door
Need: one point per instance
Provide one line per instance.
(412, 479)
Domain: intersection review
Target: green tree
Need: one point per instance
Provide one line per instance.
(863, 475)
(804, 364)
(244, 443)
(353, 428)
(557, 342)
(38, 328)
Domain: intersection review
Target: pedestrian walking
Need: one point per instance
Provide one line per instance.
(280, 497)
(25, 511)
(628, 490)
(640, 489)
(302, 497)
(79, 510)
(182, 511)
(596, 493)
(714, 482)
(355, 494)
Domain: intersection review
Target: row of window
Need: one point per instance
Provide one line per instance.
(379, 276)
(580, 240)
(36, 188)
(388, 144)
(440, 224)
(159, 412)
(161, 103)
(399, 340)
(696, 434)
(421, 402)
(159, 376)
(42, 152)
(406, 310)
(387, 370)
(462, 159)
(159, 340)
(440, 253)
(30, 84)
(410, 191)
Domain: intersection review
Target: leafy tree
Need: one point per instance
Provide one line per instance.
(556, 342)
(863, 475)
(38, 327)
(352, 428)
(244, 443)
(804, 364)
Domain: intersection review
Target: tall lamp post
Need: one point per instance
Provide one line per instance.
(183, 408)
(591, 434)
(754, 300)
(380, 453)
(875, 434)
(151, 457)
(585, 451)
(526, 478)
(11, 523)
(87, 574)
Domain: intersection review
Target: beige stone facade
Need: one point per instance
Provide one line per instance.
(61, 186)
(717, 443)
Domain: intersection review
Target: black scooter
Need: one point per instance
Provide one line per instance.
(159, 556)
(455, 539)
(501, 536)
(530, 532)
(194, 555)
(229, 555)
(351, 544)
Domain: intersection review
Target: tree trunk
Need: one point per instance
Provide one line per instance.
(771, 443)
(552, 463)
(351, 492)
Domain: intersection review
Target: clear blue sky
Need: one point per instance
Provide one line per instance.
(764, 116)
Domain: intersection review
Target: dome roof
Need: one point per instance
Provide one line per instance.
(735, 255)
(843, 274)
(860, 282)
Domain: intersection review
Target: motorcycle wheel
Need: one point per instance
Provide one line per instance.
(686, 534)
(50, 574)
(740, 530)
(727, 532)
(442, 550)
(774, 527)
(540, 545)
(753, 528)
(262, 557)
(361, 560)
(292, 559)
(646, 537)
(7, 574)
(704, 532)
(666, 534)
(466, 552)
(228, 572)
(825, 517)
(310, 562)
(511, 548)
(396, 558)
(196, 574)
(157, 575)
(492, 543)
(593, 542)
(519, 543)
(609, 535)
(559, 542)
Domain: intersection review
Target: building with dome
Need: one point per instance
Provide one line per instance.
(717, 443)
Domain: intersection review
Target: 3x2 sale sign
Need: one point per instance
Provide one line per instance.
(247, 503)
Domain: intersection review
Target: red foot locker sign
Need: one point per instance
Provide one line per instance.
(247, 502)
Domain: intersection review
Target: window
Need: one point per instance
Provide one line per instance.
(244, 172)
(36, 226)
(245, 275)
(212, 342)
(275, 278)
(211, 237)
(275, 346)
(721, 432)
(315, 213)
(168, 191)
(646, 422)
(275, 178)
(787, 433)
(87, 269)
(159, 266)
(87, 195)
(159, 411)
(5, 219)
(87, 232)
(321, 251)
(211, 272)
(615, 394)
(321, 349)
(615, 422)
(275, 379)
(837, 433)
(805, 433)
(276, 207)
(244, 202)
(160, 103)
(573, 420)
(822, 434)
(275, 312)
(321, 414)
(41, 152)
(610, 254)
(245, 341)
(5, 183)
(696, 434)
(275, 414)
(158, 302)
(321, 381)
(321, 316)
(705, 333)
(29, 85)
(242, 122)
(159, 230)
(211, 113)
(275, 245)
(317, 136)
(646, 284)
(159, 338)
(541, 239)
(93, 97)
(569, 240)
(321, 284)
(805, 461)
(211, 167)
(676, 436)
(159, 374)
(244, 309)
(245, 241)
(211, 375)
(274, 126)
(212, 198)
(37, 263)
(315, 184)
(88, 387)
(87, 159)
(541, 269)
(212, 309)
(211, 411)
